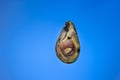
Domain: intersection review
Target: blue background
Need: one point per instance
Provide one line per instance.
(29, 30)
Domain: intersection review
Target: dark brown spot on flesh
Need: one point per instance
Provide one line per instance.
(68, 44)
(78, 50)
(68, 37)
